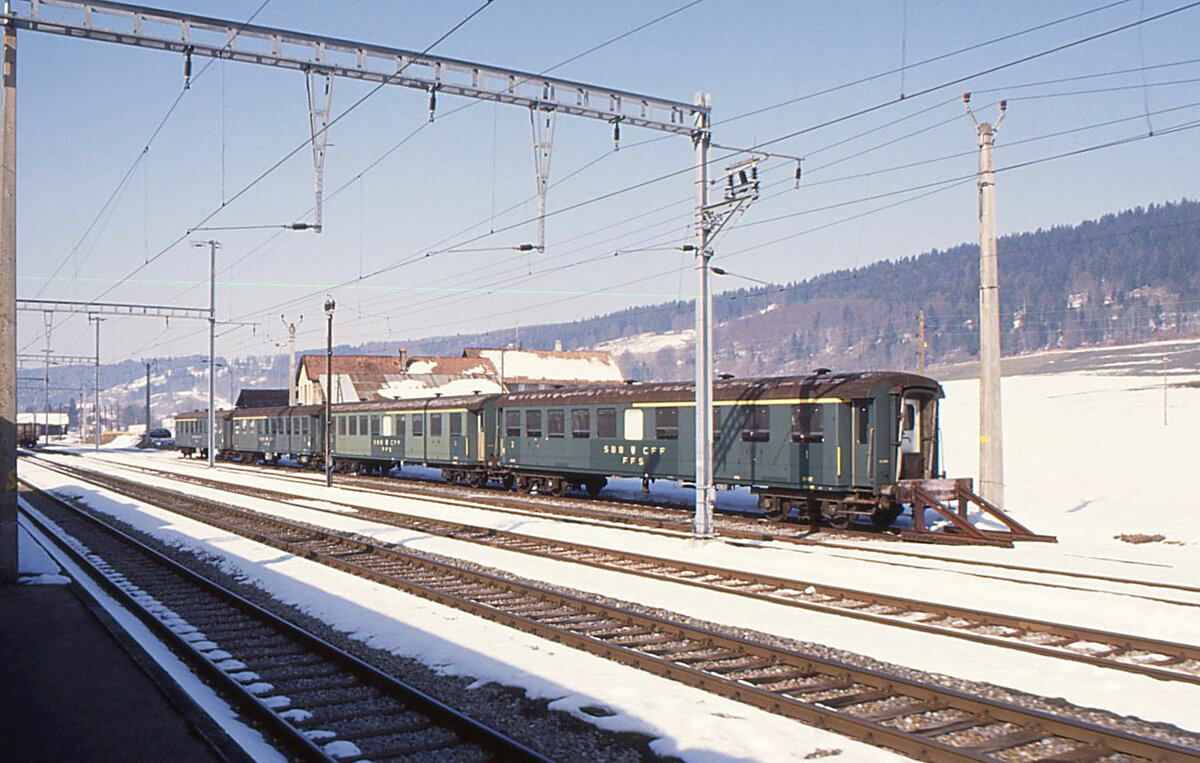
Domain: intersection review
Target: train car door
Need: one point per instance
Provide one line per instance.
(861, 448)
(910, 439)
(459, 441)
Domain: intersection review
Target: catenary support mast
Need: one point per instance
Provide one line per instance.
(189, 34)
(702, 524)
(8, 315)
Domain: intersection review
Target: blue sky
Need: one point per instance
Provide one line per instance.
(879, 185)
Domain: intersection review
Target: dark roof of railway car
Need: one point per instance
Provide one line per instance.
(840, 385)
(471, 402)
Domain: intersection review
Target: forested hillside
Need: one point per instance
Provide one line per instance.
(1127, 277)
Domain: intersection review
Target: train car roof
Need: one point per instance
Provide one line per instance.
(470, 402)
(843, 386)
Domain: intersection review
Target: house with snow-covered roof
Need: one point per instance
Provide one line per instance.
(391, 377)
(519, 369)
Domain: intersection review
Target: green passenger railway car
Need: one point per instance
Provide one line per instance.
(828, 445)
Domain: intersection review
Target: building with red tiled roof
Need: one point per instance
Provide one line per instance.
(520, 369)
(478, 370)
(391, 377)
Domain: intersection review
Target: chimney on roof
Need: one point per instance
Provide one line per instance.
(404, 360)
(558, 345)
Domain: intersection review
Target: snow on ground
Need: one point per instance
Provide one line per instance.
(687, 722)
(1087, 458)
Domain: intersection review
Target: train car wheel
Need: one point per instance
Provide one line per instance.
(557, 487)
(508, 481)
(477, 479)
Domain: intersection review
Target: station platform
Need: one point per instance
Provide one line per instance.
(72, 687)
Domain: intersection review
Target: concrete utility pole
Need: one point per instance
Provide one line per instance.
(921, 342)
(8, 310)
(330, 305)
(212, 349)
(146, 434)
(291, 328)
(96, 388)
(991, 449)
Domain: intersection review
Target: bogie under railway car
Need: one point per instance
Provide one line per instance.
(838, 446)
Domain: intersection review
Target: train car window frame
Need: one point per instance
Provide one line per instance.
(533, 423)
(581, 423)
(512, 423)
(606, 423)
(556, 423)
(352, 430)
(375, 426)
(666, 423)
(756, 423)
(400, 425)
(808, 422)
(418, 425)
(363, 426)
(456, 424)
(435, 425)
(635, 423)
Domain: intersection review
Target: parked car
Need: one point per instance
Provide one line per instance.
(160, 438)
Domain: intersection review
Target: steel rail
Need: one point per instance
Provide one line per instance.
(439, 493)
(596, 628)
(954, 621)
(292, 737)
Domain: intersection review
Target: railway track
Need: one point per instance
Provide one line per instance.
(1153, 658)
(915, 717)
(314, 700)
(674, 523)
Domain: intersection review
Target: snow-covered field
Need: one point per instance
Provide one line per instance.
(1088, 458)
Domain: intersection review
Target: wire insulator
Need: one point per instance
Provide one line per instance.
(616, 135)
(187, 68)
(432, 102)
(798, 171)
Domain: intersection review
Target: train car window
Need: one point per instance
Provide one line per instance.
(353, 426)
(666, 423)
(374, 426)
(756, 423)
(435, 425)
(808, 424)
(418, 425)
(385, 426)
(362, 425)
(456, 424)
(716, 423)
(606, 423)
(512, 423)
(533, 423)
(862, 421)
(555, 423)
(399, 425)
(261, 425)
(910, 416)
(581, 422)
(635, 422)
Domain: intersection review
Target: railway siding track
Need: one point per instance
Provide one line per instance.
(918, 718)
(1133, 654)
(317, 701)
